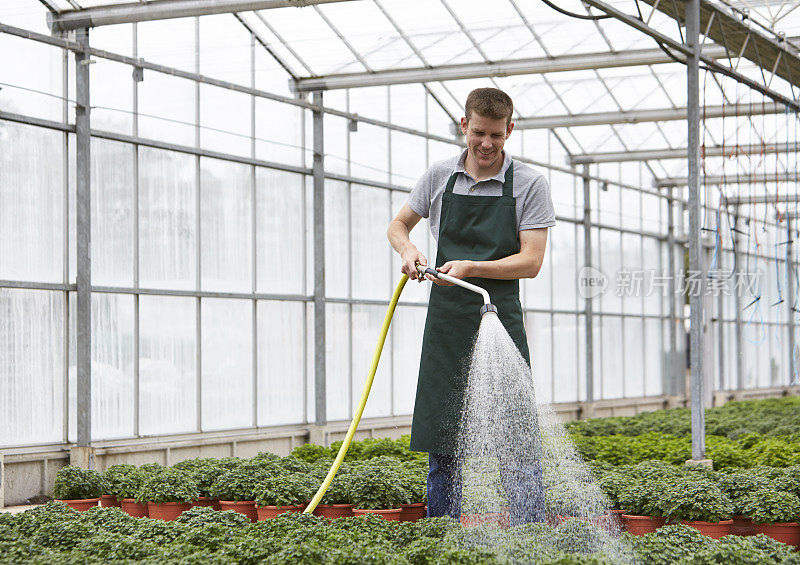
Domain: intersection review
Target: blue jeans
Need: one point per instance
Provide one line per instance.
(522, 483)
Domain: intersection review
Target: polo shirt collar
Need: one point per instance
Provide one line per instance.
(500, 176)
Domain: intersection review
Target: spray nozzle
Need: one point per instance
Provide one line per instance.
(488, 308)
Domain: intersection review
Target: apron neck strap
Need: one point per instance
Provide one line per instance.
(508, 184)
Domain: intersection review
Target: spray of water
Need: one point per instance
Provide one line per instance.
(518, 464)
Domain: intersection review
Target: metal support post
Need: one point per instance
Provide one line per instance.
(738, 304)
(587, 261)
(696, 299)
(319, 264)
(675, 369)
(83, 321)
(790, 295)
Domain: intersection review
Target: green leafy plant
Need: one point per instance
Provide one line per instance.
(310, 453)
(738, 485)
(237, 484)
(377, 486)
(338, 491)
(770, 506)
(128, 484)
(114, 478)
(168, 485)
(696, 499)
(613, 484)
(73, 483)
(285, 490)
(201, 515)
(644, 497)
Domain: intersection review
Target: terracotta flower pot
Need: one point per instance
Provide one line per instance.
(248, 508)
(500, 519)
(714, 530)
(785, 532)
(333, 511)
(743, 526)
(167, 510)
(267, 512)
(387, 514)
(81, 503)
(412, 512)
(135, 509)
(109, 501)
(205, 501)
(641, 525)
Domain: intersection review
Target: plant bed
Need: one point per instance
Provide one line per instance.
(246, 507)
(775, 513)
(167, 511)
(333, 511)
(269, 512)
(392, 514)
(133, 508)
(713, 530)
(413, 512)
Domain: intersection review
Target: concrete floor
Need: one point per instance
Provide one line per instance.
(21, 508)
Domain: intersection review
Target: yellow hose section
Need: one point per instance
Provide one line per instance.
(361, 403)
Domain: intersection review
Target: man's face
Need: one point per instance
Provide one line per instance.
(485, 138)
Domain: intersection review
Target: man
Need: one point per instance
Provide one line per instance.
(490, 217)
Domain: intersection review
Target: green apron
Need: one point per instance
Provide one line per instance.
(480, 228)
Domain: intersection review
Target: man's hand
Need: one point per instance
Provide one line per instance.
(457, 269)
(410, 258)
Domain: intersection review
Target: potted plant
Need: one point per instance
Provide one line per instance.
(416, 486)
(642, 506)
(205, 471)
(776, 514)
(168, 493)
(235, 489)
(377, 489)
(282, 493)
(613, 484)
(127, 490)
(738, 485)
(112, 477)
(335, 503)
(700, 504)
(78, 488)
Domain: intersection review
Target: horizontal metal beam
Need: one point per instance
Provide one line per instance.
(584, 61)
(638, 116)
(680, 153)
(763, 199)
(163, 10)
(732, 179)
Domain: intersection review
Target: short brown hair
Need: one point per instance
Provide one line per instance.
(489, 103)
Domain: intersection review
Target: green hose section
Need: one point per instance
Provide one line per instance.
(363, 402)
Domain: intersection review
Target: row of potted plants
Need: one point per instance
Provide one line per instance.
(733, 501)
(259, 488)
(54, 533)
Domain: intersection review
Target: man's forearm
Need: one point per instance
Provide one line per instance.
(398, 235)
(517, 266)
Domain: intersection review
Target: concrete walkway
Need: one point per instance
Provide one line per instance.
(15, 509)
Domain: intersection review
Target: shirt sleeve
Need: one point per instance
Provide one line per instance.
(420, 198)
(537, 207)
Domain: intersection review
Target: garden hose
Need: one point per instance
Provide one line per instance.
(361, 403)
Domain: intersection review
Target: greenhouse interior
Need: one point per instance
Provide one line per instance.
(195, 197)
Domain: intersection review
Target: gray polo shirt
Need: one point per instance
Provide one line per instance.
(534, 205)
